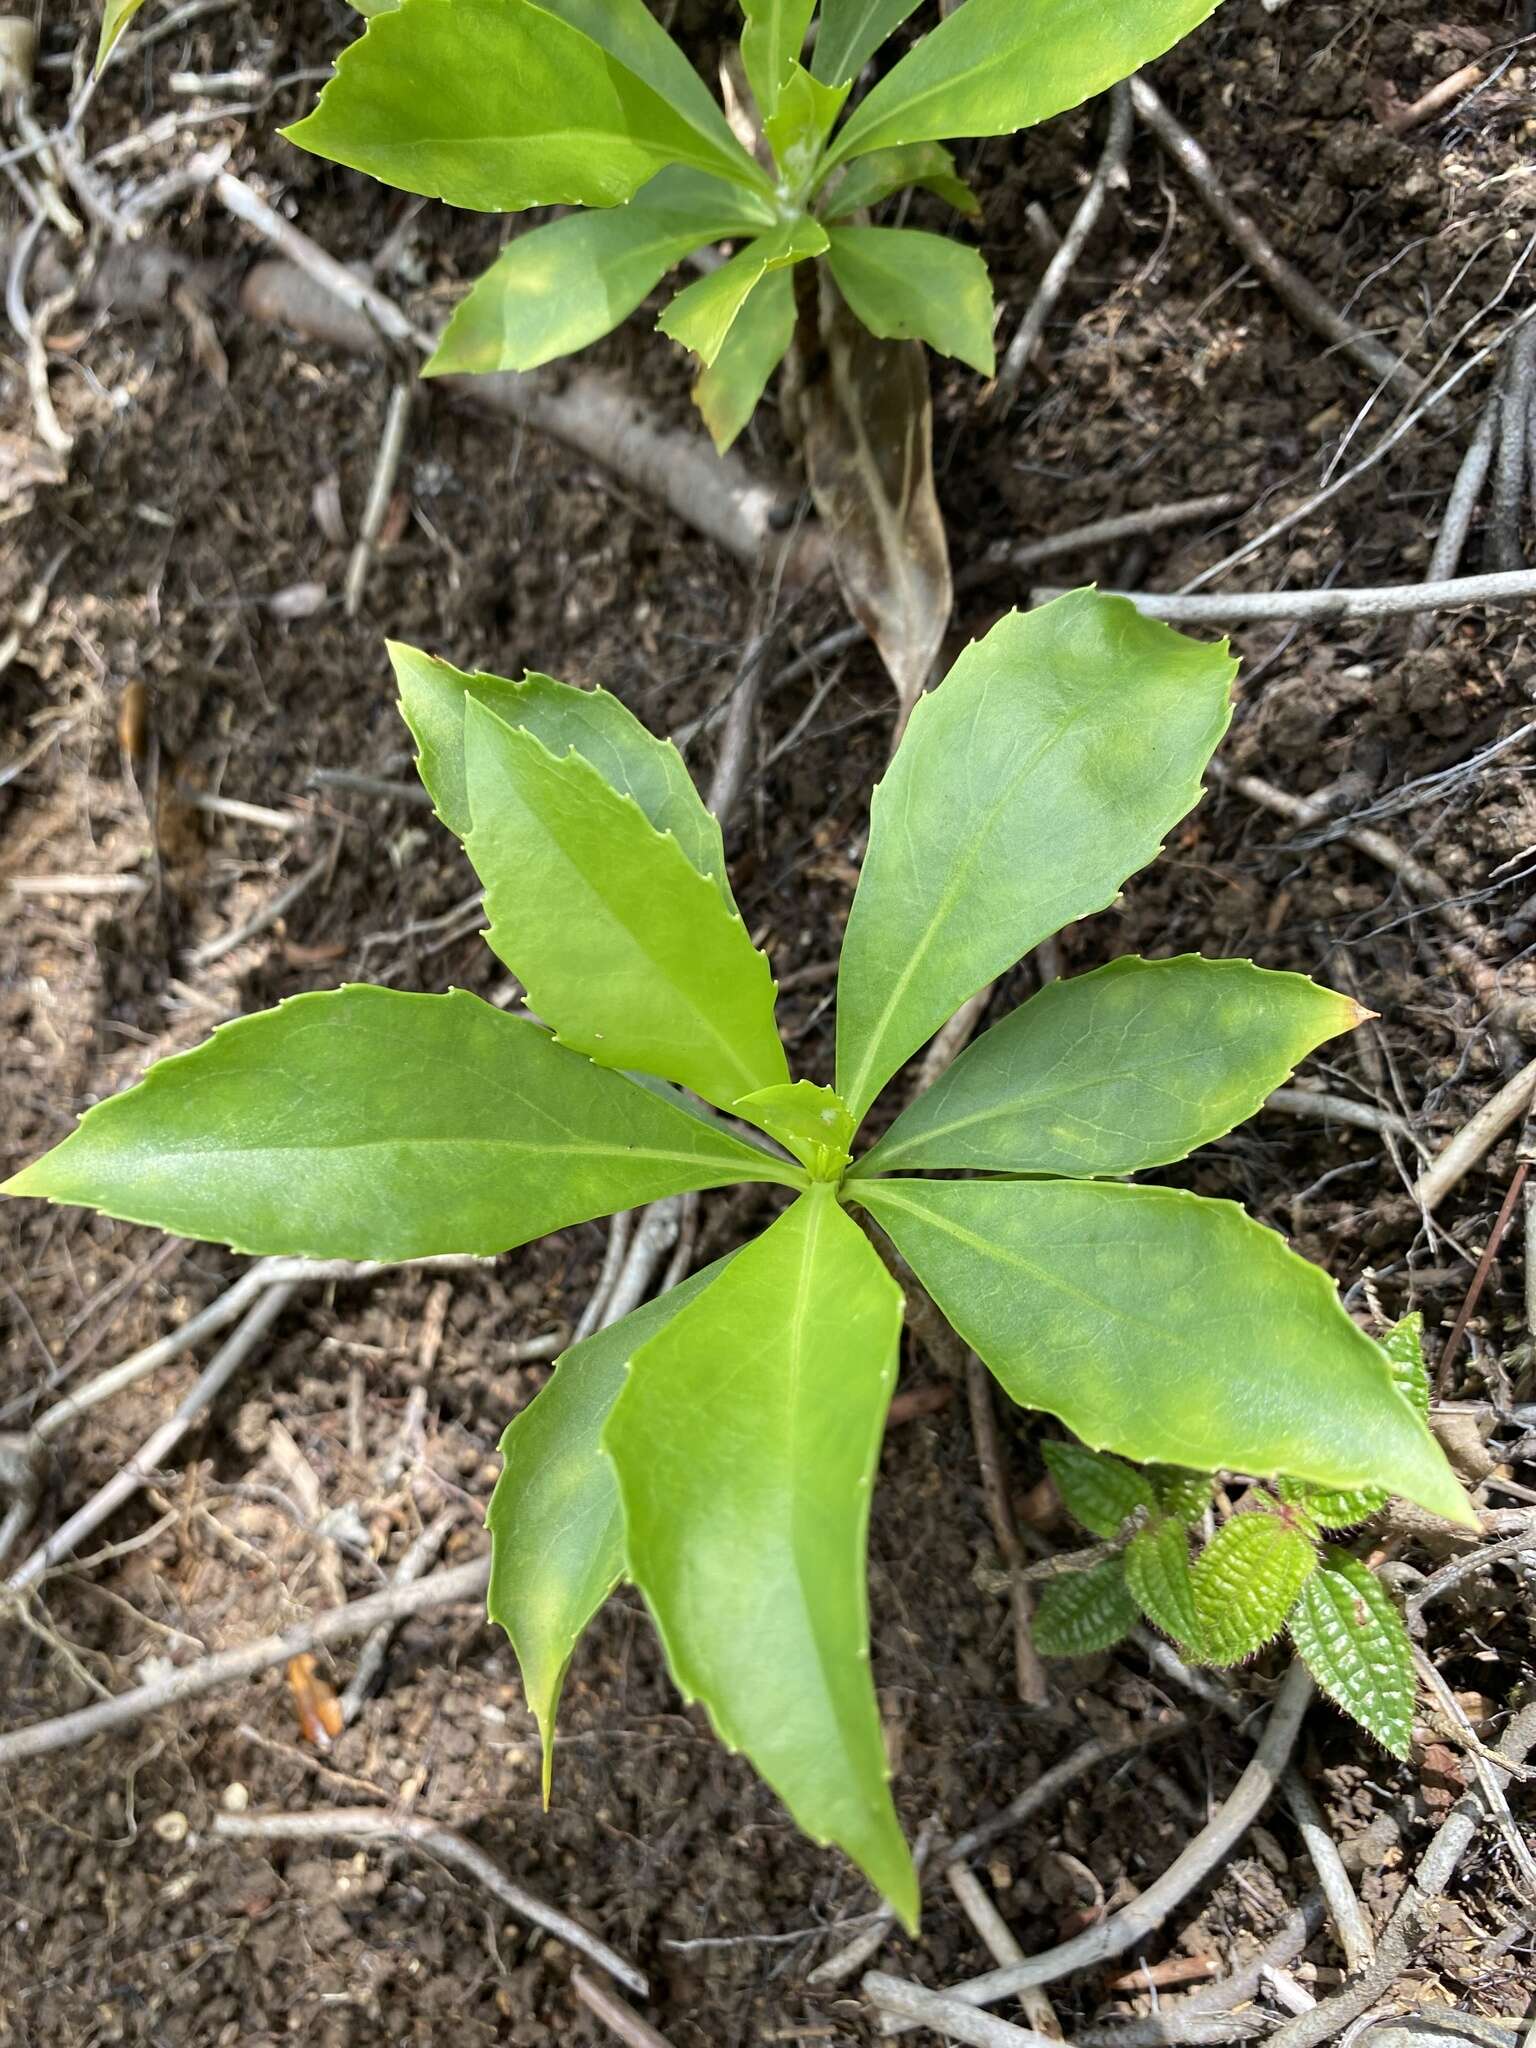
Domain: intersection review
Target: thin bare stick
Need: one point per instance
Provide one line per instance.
(1295, 291)
(952, 1039)
(914, 2006)
(385, 469)
(1020, 352)
(1344, 1908)
(1476, 1137)
(1028, 1671)
(619, 2017)
(838, 1967)
(1456, 520)
(1338, 1109)
(980, 1909)
(1172, 2027)
(419, 1557)
(374, 1824)
(243, 813)
(620, 1229)
(229, 1667)
(1460, 1569)
(1144, 1915)
(1098, 1749)
(1098, 533)
(1414, 1910)
(729, 777)
(655, 1235)
(1321, 607)
(1402, 119)
(140, 1469)
(1504, 549)
(281, 903)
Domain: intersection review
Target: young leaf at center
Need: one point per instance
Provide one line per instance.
(745, 1443)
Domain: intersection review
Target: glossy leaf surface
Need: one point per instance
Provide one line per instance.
(745, 1443)
(1096, 1490)
(1245, 1583)
(727, 390)
(997, 65)
(592, 723)
(1042, 771)
(557, 1535)
(869, 179)
(115, 17)
(800, 124)
(1331, 1509)
(771, 44)
(1164, 1326)
(629, 31)
(704, 312)
(562, 286)
(850, 32)
(1158, 1574)
(866, 423)
(1350, 1636)
(623, 946)
(906, 285)
(1131, 1066)
(499, 105)
(1081, 1612)
(807, 1120)
(368, 1124)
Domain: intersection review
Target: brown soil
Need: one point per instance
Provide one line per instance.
(192, 519)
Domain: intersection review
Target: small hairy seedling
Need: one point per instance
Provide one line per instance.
(718, 1446)
(1265, 1570)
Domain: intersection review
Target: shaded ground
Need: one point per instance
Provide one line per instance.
(190, 505)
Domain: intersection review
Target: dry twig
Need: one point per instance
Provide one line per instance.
(912, 2005)
(615, 2014)
(1476, 1137)
(1321, 607)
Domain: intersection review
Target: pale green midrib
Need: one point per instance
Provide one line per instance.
(617, 1153)
(906, 109)
(1012, 1105)
(959, 875)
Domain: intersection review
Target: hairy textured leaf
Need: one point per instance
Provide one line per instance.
(591, 723)
(560, 287)
(1042, 771)
(800, 124)
(1081, 1612)
(1350, 1636)
(367, 1124)
(704, 312)
(557, 1534)
(869, 179)
(1183, 1494)
(1096, 1490)
(745, 1442)
(1164, 1326)
(996, 65)
(771, 44)
(906, 285)
(1404, 1346)
(866, 426)
(1246, 1582)
(726, 392)
(501, 104)
(1131, 1066)
(809, 1121)
(623, 946)
(1158, 1575)
(850, 32)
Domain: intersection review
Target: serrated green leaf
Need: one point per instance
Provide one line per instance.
(869, 179)
(115, 17)
(1131, 1066)
(1163, 1325)
(1081, 1612)
(1158, 1575)
(745, 1442)
(623, 946)
(1030, 783)
(704, 312)
(1183, 1494)
(1404, 1346)
(807, 1120)
(1246, 1582)
(591, 723)
(771, 44)
(727, 391)
(557, 1533)
(800, 124)
(498, 105)
(368, 1124)
(908, 285)
(850, 31)
(1350, 1636)
(563, 286)
(995, 66)
(1332, 1508)
(1096, 1490)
